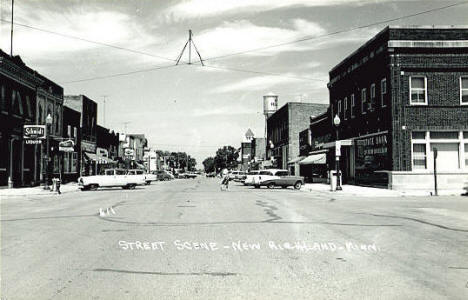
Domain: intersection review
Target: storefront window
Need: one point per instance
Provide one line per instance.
(464, 90)
(418, 90)
(66, 162)
(418, 135)
(444, 135)
(419, 156)
(56, 164)
(2, 98)
(466, 155)
(74, 162)
(448, 158)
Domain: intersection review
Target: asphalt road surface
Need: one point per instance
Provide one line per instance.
(186, 239)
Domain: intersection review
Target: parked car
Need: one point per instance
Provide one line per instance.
(249, 178)
(191, 175)
(148, 178)
(240, 176)
(111, 178)
(232, 174)
(275, 177)
(163, 175)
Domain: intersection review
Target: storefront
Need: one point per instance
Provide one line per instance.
(88, 164)
(371, 159)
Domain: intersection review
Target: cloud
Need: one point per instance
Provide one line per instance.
(256, 83)
(238, 36)
(208, 8)
(109, 27)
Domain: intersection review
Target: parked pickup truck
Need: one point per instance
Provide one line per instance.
(146, 177)
(111, 178)
(275, 177)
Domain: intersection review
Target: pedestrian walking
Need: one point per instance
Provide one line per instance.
(225, 180)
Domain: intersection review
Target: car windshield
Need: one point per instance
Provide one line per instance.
(266, 173)
(282, 173)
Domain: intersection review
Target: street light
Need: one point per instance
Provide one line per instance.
(48, 124)
(336, 122)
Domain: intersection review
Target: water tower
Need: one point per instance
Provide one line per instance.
(270, 106)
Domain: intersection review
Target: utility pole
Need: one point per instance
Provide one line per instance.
(11, 35)
(125, 126)
(189, 43)
(104, 109)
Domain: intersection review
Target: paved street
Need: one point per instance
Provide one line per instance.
(186, 239)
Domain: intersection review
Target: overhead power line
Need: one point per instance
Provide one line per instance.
(308, 38)
(264, 73)
(120, 74)
(68, 36)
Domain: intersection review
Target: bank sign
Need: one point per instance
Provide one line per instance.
(34, 132)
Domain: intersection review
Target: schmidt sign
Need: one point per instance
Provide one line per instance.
(34, 132)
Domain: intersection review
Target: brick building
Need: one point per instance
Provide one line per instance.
(283, 129)
(71, 131)
(399, 96)
(27, 98)
(88, 123)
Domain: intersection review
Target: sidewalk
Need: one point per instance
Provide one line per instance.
(363, 191)
(38, 190)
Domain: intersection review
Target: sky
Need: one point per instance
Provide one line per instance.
(88, 46)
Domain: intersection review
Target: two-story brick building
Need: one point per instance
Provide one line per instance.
(88, 124)
(401, 95)
(283, 129)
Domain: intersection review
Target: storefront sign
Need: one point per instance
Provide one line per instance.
(102, 152)
(129, 153)
(67, 146)
(88, 147)
(34, 132)
(372, 155)
(33, 142)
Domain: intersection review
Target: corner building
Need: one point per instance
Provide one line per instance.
(400, 96)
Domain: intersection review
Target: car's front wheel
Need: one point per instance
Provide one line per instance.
(298, 185)
(270, 185)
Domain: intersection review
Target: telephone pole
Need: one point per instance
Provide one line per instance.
(189, 43)
(11, 35)
(104, 109)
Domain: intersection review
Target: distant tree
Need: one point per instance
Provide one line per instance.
(209, 164)
(226, 157)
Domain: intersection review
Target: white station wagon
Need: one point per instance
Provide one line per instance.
(111, 178)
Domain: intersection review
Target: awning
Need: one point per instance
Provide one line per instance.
(296, 160)
(314, 159)
(140, 166)
(343, 143)
(99, 159)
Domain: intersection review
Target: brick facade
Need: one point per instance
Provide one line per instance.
(438, 56)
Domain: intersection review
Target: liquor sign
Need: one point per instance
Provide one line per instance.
(33, 142)
(67, 146)
(34, 132)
